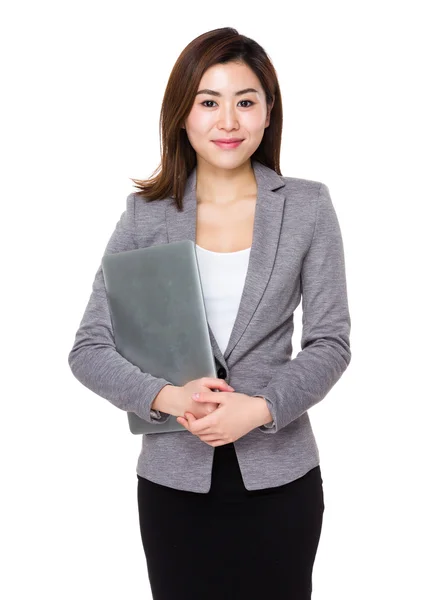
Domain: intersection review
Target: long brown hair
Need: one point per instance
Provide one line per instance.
(178, 157)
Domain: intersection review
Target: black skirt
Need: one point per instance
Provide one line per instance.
(231, 543)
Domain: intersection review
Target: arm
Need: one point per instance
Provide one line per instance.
(264, 413)
(94, 360)
(325, 346)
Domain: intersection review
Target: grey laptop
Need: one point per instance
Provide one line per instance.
(158, 316)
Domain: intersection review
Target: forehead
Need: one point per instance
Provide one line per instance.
(229, 78)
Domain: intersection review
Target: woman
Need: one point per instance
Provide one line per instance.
(232, 507)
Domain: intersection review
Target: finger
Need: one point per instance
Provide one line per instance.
(214, 382)
(210, 437)
(190, 418)
(199, 426)
(206, 397)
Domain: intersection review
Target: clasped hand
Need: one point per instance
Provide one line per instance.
(233, 418)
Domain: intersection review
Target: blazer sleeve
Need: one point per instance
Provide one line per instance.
(325, 352)
(94, 360)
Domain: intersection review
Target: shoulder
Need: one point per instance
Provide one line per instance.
(143, 208)
(306, 187)
(139, 203)
(145, 215)
(305, 195)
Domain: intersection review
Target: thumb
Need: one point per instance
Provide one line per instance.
(190, 417)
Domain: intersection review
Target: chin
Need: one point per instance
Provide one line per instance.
(228, 162)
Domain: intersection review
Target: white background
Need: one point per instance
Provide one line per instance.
(362, 98)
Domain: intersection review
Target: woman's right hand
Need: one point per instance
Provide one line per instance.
(203, 384)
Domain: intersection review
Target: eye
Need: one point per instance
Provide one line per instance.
(205, 101)
(250, 101)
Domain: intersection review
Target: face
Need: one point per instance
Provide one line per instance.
(221, 112)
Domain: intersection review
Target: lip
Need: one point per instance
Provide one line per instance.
(227, 145)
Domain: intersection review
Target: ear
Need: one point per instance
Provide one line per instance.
(269, 109)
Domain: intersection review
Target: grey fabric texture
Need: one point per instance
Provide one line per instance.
(297, 253)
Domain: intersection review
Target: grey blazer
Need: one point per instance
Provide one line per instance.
(297, 252)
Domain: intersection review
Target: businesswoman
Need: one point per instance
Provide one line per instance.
(232, 505)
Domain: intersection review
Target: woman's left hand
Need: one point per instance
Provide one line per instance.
(236, 415)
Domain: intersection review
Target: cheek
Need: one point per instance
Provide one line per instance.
(255, 124)
(198, 122)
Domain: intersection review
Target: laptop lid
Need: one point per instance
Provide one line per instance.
(158, 315)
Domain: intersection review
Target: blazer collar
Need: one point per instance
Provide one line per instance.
(266, 232)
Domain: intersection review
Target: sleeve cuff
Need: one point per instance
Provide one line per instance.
(145, 411)
(268, 427)
(159, 416)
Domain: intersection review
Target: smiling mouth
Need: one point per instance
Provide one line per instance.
(227, 144)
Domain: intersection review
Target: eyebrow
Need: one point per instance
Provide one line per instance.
(239, 93)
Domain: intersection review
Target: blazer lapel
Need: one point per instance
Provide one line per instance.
(266, 232)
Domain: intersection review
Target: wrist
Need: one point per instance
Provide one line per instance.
(263, 412)
(167, 400)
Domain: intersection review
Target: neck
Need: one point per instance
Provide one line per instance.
(220, 186)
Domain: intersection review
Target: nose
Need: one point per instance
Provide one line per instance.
(228, 118)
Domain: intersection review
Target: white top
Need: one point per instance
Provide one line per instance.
(222, 276)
